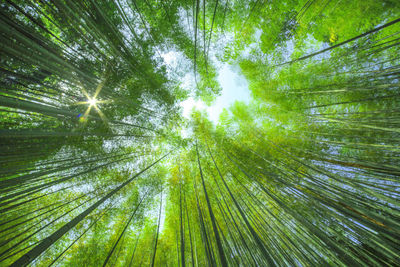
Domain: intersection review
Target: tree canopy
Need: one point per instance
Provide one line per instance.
(98, 166)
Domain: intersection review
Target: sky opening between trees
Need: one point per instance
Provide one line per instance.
(102, 164)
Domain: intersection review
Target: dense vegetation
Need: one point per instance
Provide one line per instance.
(95, 170)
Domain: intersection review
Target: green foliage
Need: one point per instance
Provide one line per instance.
(98, 166)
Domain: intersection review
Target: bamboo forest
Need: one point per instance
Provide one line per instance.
(115, 149)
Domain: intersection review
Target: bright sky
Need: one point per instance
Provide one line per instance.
(234, 87)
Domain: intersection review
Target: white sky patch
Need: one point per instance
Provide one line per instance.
(189, 104)
(170, 58)
(234, 87)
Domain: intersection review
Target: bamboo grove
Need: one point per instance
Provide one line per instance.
(98, 167)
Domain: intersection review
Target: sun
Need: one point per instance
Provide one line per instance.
(92, 101)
